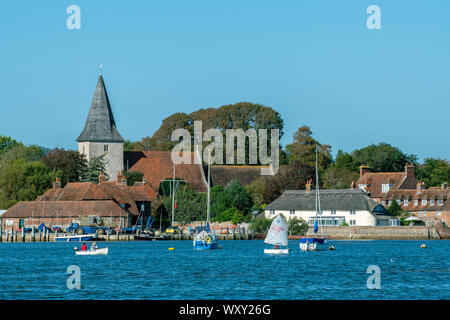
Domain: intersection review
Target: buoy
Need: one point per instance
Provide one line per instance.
(171, 249)
(392, 260)
(75, 249)
(423, 246)
(332, 248)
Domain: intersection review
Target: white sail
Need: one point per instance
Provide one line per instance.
(277, 234)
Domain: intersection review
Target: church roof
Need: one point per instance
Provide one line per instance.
(100, 124)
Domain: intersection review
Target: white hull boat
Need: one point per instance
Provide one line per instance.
(93, 252)
(313, 246)
(277, 251)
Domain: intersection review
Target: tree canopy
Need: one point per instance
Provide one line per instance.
(70, 163)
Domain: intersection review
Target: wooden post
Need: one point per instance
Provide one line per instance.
(33, 235)
(1, 233)
(47, 235)
(23, 234)
(15, 236)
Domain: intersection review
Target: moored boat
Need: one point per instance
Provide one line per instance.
(315, 242)
(77, 238)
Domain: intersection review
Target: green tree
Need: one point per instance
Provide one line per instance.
(336, 177)
(29, 153)
(237, 217)
(129, 145)
(22, 180)
(395, 209)
(133, 176)
(94, 167)
(238, 196)
(290, 177)
(191, 205)
(383, 158)
(303, 149)
(297, 226)
(434, 172)
(7, 143)
(260, 225)
(70, 163)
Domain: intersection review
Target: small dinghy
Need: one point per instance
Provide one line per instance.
(277, 236)
(92, 252)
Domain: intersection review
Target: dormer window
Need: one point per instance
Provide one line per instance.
(405, 202)
(385, 187)
(431, 202)
(440, 202)
(399, 202)
(424, 202)
(416, 202)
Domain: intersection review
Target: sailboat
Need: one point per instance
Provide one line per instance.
(206, 240)
(315, 242)
(277, 236)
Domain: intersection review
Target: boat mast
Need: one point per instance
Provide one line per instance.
(173, 195)
(318, 209)
(209, 181)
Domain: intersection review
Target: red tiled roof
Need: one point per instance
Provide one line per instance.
(428, 194)
(75, 191)
(157, 166)
(46, 209)
(375, 180)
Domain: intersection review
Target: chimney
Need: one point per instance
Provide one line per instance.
(420, 186)
(101, 177)
(57, 184)
(363, 170)
(124, 181)
(119, 177)
(444, 186)
(308, 185)
(409, 170)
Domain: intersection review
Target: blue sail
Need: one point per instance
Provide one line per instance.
(316, 227)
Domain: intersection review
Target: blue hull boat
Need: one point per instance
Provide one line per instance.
(199, 245)
(313, 244)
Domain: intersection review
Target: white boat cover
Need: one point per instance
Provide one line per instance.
(277, 234)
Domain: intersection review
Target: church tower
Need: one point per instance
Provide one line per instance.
(100, 135)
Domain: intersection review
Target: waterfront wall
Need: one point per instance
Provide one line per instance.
(380, 232)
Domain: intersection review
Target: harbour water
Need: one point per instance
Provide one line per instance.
(240, 270)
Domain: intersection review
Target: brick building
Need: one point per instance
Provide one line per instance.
(108, 203)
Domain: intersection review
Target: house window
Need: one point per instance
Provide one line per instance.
(333, 211)
(385, 187)
(272, 212)
(383, 202)
(440, 202)
(438, 213)
(432, 202)
(292, 211)
(105, 148)
(424, 202)
(416, 202)
(352, 222)
(389, 203)
(405, 202)
(399, 202)
(352, 211)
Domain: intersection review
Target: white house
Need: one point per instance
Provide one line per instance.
(350, 206)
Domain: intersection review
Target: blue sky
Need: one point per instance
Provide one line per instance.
(315, 62)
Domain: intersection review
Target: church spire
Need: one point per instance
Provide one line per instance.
(100, 124)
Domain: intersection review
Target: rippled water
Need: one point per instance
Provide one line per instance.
(148, 270)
